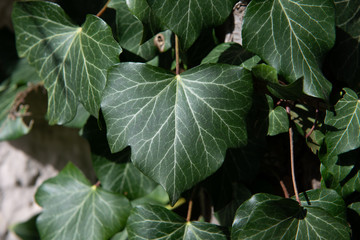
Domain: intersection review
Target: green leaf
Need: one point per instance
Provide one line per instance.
(142, 11)
(356, 207)
(71, 60)
(27, 230)
(122, 177)
(178, 127)
(342, 172)
(130, 33)
(230, 53)
(346, 53)
(292, 36)
(80, 118)
(326, 199)
(120, 236)
(187, 18)
(269, 75)
(278, 119)
(266, 216)
(345, 124)
(251, 62)
(155, 222)
(73, 209)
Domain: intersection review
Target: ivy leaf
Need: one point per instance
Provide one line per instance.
(292, 36)
(230, 53)
(278, 119)
(142, 11)
(71, 60)
(342, 172)
(27, 230)
(75, 209)
(12, 124)
(265, 216)
(178, 127)
(187, 18)
(345, 124)
(122, 178)
(130, 33)
(345, 56)
(155, 222)
(356, 207)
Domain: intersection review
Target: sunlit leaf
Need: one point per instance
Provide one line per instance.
(73, 209)
(178, 127)
(291, 36)
(71, 60)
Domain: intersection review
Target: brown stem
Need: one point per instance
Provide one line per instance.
(177, 55)
(292, 160)
(314, 125)
(103, 9)
(97, 184)
(188, 216)
(283, 187)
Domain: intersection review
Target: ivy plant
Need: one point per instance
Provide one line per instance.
(192, 137)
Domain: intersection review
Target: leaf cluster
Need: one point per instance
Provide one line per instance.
(175, 143)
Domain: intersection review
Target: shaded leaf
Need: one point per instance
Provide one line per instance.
(27, 230)
(143, 12)
(72, 208)
(71, 60)
(355, 206)
(348, 16)
(187, 18)
(292, 36)
(278, 119)
(342, 172)
(130, 33)
(178, 127)
(155, 222)
(120, 236)
(266, 216)
(12, 125)
(122, 177)
(230, 53)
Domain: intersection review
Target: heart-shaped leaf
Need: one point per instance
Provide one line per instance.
(187, 18)
(178, 127)
(266, 216)
(73, 209)
(292, 36)
(278, 118)
(155, 222)
(71, 60)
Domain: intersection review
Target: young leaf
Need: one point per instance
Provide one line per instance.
(187, 18)
(178, 127)
(266, 216)
(278, 119)
(122, 177)
(292, 36)
(73, 209)
(155, 222)
(71, 60)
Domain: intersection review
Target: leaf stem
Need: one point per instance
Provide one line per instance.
(103, 9)
(188, 216)
(292, 159)
(177, 55)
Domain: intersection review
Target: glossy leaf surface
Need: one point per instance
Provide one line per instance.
(155, 222)
(267, 216)
(291, 36)
(178, 127)
(278, 119)
(71, 60)
(73, 209)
